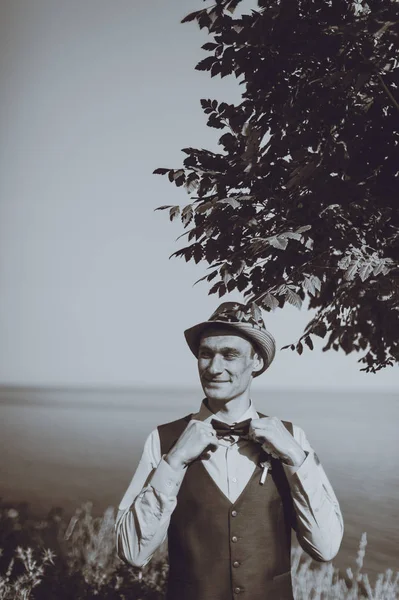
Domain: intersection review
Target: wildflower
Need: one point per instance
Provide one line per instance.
(48, 556)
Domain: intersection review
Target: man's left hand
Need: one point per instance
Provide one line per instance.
(276, 439)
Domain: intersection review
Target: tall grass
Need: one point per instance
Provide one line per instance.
(60, 559)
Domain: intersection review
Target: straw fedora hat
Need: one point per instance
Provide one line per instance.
(247, 319)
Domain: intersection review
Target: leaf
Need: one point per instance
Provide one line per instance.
(319, 329)
(160, 171)
(192, 16)
(293, 235)
(270, 301)
(191, 183)
(204, 20)
(232, 5)
(365, 270)
(303, 228)
(309, 286)
(281, 290)
(179, 181)
(309, 244)
(209, 46)
(206, 103)
(206, 63)
(299, 348)
(316, 282)
(378, 268)
(163, 207)
(237, 28)
(345, 262)
(178, 173)
(351, 270)
(215, 287)
(226, 276)
(293, 298)
(231, 201)
(216, 69)
(200, 279)
(256, 312)
(202, 208)
(174, 212)
(242, 282)
(187, 214)
(215, 121)
(197, 253)
(308, 342)
(278, 241)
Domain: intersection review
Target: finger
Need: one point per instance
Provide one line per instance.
(207, 452)
(205, 456)
(258, 433)
(212, 444)
(263, 430)
(208, 435)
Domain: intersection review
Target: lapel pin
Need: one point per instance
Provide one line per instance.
(266, 466)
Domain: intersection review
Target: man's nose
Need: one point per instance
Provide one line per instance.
(216, 365)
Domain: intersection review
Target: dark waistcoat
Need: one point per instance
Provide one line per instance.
(219, 550)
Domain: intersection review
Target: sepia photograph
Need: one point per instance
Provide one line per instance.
(199, 299)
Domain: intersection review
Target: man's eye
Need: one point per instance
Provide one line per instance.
(230, 356)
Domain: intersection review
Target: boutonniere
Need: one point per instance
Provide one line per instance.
(266, 466)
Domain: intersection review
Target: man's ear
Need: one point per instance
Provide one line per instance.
(258, 363)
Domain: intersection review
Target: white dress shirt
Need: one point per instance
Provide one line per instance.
(146, 508)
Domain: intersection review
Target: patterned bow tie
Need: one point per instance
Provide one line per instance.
(224, 430)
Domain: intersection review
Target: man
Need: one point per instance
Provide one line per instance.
(227, 484)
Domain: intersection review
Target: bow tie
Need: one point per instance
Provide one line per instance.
(224, 430)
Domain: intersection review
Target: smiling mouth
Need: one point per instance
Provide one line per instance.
(216, 381)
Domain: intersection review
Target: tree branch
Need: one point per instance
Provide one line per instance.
(387, 91)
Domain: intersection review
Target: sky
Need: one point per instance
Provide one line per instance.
(94, 96)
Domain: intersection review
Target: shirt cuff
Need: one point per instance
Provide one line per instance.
(305, 470)
(167, 480)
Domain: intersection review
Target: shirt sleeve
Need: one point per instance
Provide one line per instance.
(145, 509)
(320, 524)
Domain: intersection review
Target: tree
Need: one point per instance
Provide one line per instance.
(303, 198)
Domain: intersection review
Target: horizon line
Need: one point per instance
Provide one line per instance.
(129, 387)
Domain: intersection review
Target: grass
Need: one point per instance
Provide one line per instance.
(76, 559)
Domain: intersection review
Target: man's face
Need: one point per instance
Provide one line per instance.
(225, 363)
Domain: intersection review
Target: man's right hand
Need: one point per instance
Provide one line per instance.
(196, 441)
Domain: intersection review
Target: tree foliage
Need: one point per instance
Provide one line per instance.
(303, 198)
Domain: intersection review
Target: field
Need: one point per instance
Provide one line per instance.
(54, 558)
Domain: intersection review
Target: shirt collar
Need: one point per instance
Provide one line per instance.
(206, 415)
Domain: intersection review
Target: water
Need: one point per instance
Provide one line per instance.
(64, 447)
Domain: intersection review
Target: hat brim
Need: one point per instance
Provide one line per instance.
(262, 340)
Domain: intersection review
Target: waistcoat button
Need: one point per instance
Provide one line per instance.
(233, 513)
(237, 590)
(234, 538)
(236, 563)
